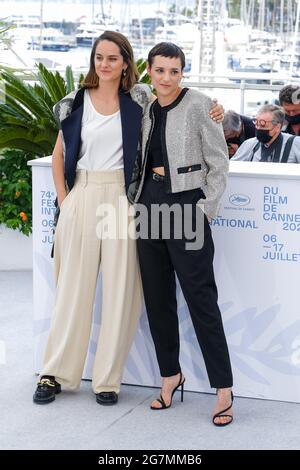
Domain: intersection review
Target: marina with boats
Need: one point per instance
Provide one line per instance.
(259, 47)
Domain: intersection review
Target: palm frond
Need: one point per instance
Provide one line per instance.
(24, 94)
(53, 84)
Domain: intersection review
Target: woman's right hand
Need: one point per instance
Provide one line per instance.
(60, 198)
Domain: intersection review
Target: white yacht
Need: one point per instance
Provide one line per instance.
(88, 32)
(50, 39)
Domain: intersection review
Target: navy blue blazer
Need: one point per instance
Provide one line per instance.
(131, 121)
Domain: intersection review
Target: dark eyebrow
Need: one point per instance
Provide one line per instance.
(172, 70)
(111, 55)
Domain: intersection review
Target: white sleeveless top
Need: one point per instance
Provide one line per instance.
(101, 139)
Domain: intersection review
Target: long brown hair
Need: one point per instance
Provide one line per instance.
(126, 83)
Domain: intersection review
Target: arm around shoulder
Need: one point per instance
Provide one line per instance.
(141, 93)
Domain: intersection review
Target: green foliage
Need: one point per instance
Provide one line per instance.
(141, 66)
(15, 191)
(4, 28)
(187, 12)
(234, 9)
(28, 129)
(27, 122)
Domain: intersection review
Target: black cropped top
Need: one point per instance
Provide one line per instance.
(155, 158)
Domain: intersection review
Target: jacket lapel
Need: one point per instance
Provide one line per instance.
(71, 128)
(131, 120)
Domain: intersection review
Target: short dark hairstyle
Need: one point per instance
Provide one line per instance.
(132, 75)
(166, 49)
(286, 94)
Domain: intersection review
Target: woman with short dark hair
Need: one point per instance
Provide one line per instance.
(184, 171)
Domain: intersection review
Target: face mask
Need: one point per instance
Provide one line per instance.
(263, 135)
(293, 119)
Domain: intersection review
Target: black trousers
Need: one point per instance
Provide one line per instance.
(160, 258)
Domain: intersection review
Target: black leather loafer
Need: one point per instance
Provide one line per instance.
(46, 390)
(107, 398)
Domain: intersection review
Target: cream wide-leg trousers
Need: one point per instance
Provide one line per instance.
(86, 240)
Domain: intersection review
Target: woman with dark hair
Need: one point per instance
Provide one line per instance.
(184, 170)
(95, 163)
(93, 167)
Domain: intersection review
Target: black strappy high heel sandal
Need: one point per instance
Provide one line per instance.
(220, 414)
(161, 400)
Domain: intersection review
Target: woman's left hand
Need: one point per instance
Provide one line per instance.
(217, 111)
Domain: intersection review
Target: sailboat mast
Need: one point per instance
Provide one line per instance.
(200, 16)
(281, 18)
(243, 12)
(41, 24)
(261, 15)
(102, 9)
(141, 28)
(295, 38)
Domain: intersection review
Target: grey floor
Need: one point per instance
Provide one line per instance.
(76, 421)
